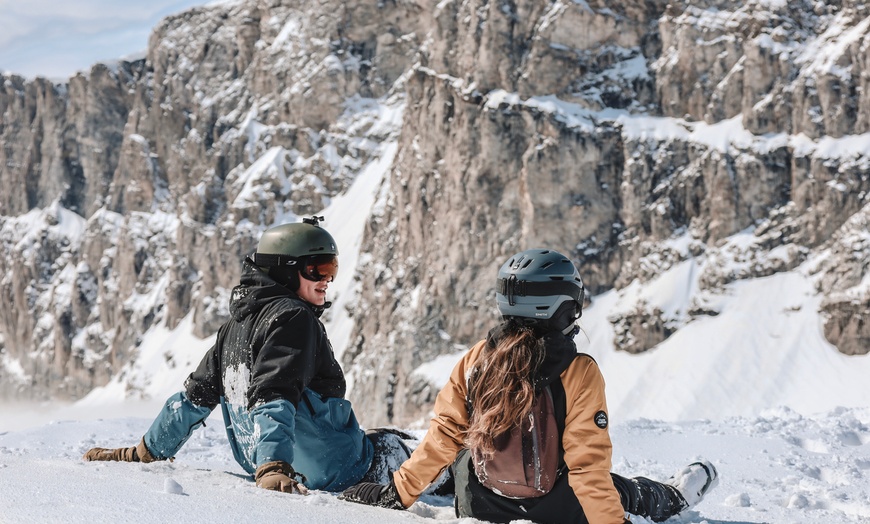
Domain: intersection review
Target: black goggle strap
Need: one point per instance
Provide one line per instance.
(270, 260)
(511, 287)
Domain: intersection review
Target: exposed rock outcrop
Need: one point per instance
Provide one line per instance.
(131, 194)
(652, 129)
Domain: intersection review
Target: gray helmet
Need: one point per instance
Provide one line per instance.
(540, 286)
(285, 244)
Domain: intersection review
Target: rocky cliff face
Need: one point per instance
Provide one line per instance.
(604, 132)
(131, 194)
(631, 137)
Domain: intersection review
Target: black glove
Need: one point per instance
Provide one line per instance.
(383, 495)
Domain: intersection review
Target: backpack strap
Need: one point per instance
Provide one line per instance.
(560, 409)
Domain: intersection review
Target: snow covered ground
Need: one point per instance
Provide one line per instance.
(779, 467)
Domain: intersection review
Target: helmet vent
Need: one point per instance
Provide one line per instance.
(542, 308)
(529, 261)
(515, 262)
(556, 278)
(545, 266)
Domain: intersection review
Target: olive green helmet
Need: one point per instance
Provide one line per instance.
(284, 245)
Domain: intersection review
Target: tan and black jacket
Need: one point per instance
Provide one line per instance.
(587, 446)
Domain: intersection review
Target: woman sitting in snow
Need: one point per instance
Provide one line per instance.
(274, 374)
(522, 422)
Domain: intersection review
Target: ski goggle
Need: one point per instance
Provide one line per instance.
(319, 267)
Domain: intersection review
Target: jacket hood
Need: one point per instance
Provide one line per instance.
(256, 289)
(559, 352)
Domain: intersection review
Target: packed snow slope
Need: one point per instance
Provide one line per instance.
(762, 348)
(778, 467)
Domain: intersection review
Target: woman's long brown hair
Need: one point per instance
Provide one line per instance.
(502, 389)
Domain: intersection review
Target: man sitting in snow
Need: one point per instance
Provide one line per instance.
(273, 371)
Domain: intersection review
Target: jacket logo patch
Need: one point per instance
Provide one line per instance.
(601, 419)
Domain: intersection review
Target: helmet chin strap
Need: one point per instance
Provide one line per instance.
(318, 310)
(571, 330)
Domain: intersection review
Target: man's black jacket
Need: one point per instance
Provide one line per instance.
(275, 335)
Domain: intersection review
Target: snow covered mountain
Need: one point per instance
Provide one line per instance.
(706, 165)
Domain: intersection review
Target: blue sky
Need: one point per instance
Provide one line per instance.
(56, 38)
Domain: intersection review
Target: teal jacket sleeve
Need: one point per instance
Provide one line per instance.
(274, 431)
(174, 425)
